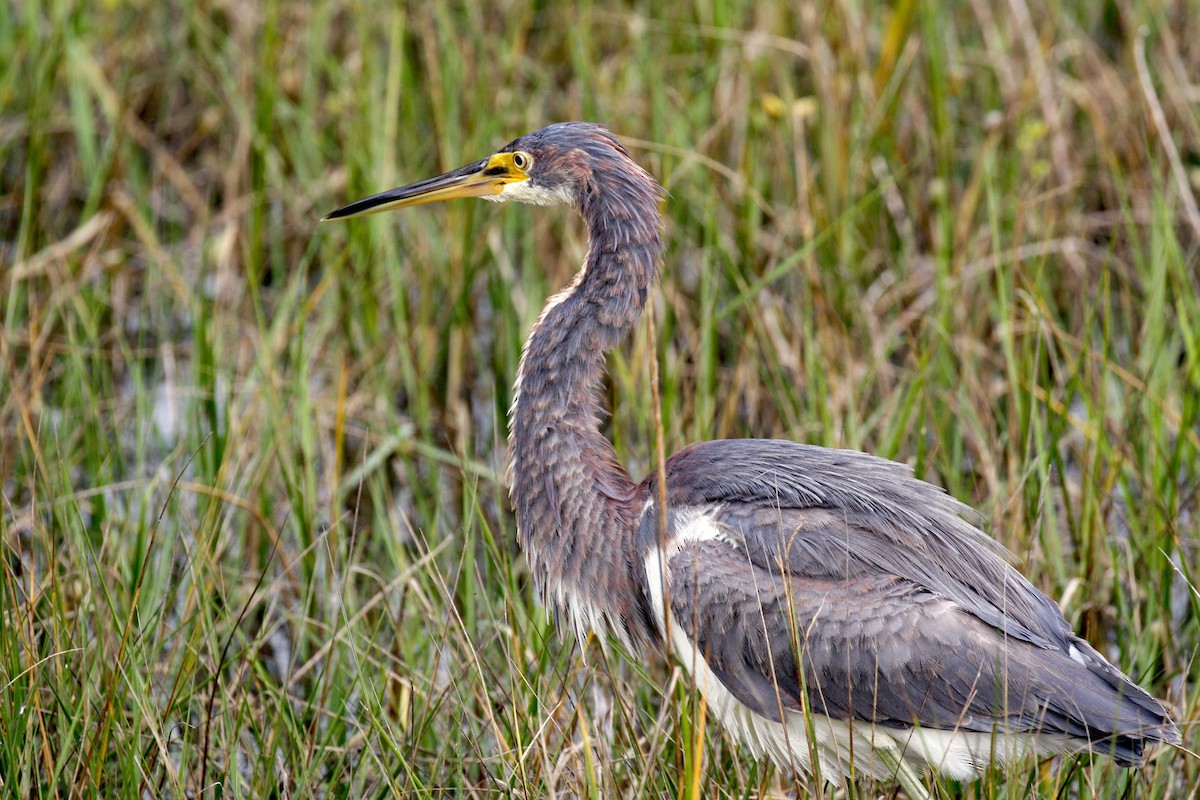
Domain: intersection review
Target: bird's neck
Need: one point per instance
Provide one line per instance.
(576, 506)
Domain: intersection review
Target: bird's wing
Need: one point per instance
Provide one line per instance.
(875, 648)
(891, 586)
(878, 517)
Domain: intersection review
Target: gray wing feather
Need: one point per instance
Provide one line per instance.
(902, 525)
(905, 606)
(878, 649)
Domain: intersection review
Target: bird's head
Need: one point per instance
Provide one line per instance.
(557, 165)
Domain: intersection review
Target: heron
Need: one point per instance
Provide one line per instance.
(837, 614)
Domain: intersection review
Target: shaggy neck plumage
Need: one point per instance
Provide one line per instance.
(576, 506)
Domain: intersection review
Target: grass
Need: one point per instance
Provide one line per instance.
(256, 540)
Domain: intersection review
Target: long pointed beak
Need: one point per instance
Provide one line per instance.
(473, 180)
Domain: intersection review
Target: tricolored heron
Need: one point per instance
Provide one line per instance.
(792, 580)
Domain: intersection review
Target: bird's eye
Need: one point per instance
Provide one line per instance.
(522, 160)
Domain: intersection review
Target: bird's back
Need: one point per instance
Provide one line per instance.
(800, 578)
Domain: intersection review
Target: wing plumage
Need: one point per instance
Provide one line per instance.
(833, 581)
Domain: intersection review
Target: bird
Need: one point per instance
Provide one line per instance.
(838, 615)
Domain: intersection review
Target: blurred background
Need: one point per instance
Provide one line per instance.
(255, 532)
